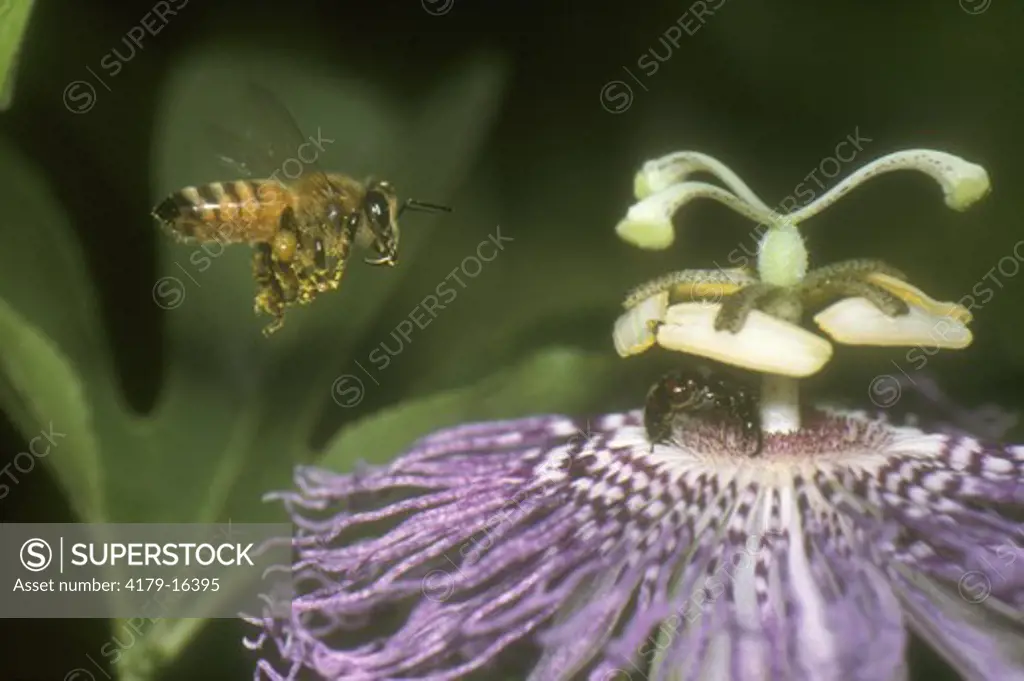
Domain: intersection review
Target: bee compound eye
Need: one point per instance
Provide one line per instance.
(378, 209)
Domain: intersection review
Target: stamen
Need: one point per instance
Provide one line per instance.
(687, 285)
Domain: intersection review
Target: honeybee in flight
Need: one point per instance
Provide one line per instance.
(303, 227)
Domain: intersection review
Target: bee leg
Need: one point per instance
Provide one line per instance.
(336, 264)
(740, 403)
(753, 431)
(747, 411)
(306, 275)
(273, 327)
(658, 412)
(736, 307)
(288, 281)
(746, 406)
(338, 252)
(308, 287)
(298, 268)
(321, 273)
(336, 275)
(269, 297)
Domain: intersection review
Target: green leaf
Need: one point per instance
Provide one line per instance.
(49, 397)
(14, 16)
(547, 382)
(42, 272)
(52, 348)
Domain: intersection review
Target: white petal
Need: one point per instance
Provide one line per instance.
(856, 321)
(765, 343)
(634, 331)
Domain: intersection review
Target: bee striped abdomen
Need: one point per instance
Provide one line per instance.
(228, 212)
(178, 212)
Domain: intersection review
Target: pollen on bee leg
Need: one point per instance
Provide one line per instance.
(335, 279)
(269, 301)
(765, 343)
(284, 246)
(316, 282)
(856, 321)
(273, 327)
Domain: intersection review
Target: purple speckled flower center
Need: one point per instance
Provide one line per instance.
(682, 561)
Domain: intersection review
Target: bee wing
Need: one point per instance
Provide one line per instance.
(241, 157)
(265, 141)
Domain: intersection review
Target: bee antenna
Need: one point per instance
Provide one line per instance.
(421, 206)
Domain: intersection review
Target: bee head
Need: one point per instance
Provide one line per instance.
(380, 211)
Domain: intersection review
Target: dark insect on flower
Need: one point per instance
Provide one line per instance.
(686, 392)
(619, 555)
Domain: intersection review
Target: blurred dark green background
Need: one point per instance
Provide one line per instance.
(768, 88)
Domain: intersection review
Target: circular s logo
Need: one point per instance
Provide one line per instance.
(36, 555)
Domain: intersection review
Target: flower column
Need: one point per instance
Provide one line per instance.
(878, 306)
